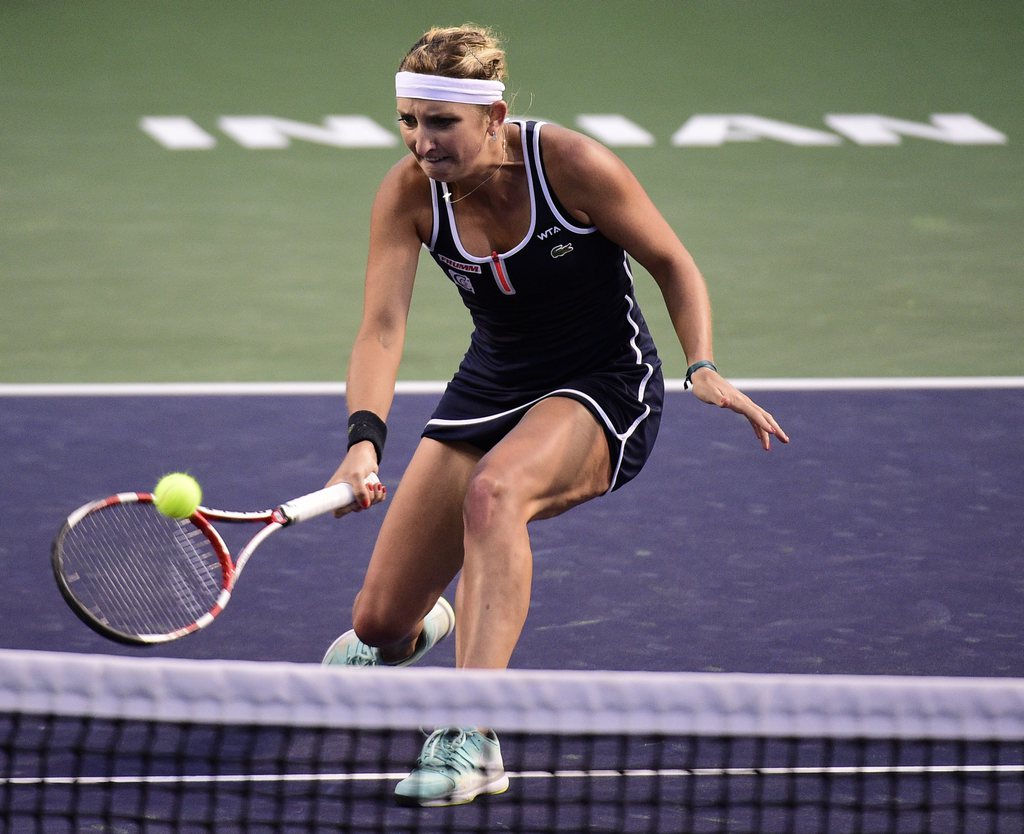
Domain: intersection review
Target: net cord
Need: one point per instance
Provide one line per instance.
(246, 692)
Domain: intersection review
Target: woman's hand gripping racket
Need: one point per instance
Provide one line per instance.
(136, 576)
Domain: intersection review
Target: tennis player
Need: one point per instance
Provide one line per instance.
(559, 396)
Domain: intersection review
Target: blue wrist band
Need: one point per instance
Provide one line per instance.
(696, 366)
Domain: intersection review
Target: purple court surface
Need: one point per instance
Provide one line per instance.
(885, 539)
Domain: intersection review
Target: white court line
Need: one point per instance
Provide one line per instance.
(679, 773)
(234, 389)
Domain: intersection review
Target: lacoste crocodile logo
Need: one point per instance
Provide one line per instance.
(561, 249)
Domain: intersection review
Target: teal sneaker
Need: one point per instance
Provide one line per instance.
(455, 766)
(349, 650)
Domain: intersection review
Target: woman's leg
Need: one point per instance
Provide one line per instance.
(555, 458)
(418, 550)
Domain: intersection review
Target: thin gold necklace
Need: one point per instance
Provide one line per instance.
(504, 157)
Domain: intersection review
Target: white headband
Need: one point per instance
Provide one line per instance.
(442, 88)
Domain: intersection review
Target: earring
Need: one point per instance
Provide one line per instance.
(494, 135)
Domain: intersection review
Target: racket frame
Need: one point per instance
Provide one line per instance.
(291, 512)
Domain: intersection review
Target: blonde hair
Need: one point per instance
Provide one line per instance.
(467, 51)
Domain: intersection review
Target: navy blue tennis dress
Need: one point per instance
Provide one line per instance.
(554, 316)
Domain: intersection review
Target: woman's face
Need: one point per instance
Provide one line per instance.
(446, 138)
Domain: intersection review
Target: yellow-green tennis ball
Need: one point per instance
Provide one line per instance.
(177, 495)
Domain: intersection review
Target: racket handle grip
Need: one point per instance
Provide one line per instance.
(322, 501)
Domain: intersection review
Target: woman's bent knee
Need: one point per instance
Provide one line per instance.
(377, 626)
(489, 497)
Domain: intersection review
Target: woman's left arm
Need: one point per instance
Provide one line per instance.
(599, 189)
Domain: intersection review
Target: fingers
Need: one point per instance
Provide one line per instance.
(764, 436)
(776, 429)
(366, 495)
(765, 427)
(772, 430)
(375, 493)
(359, 469)
(715, 390)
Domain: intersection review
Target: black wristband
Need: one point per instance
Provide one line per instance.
(365, 425)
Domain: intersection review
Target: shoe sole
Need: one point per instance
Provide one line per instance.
(494, 788)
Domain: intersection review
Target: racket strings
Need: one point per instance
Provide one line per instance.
(139, 572)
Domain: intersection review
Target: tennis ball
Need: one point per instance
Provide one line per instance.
(177, 495)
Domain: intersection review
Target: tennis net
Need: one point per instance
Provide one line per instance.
(100, 743)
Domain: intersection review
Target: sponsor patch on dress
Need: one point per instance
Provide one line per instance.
(463, 281)
(473, 268)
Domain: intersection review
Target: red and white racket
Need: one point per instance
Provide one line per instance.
(136, 576)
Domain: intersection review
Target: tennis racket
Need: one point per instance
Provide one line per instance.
(136, 576)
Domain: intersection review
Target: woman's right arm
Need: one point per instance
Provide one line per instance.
(395, 242)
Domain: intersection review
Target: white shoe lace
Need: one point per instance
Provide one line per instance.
(443, 749)
(362, 655)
